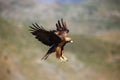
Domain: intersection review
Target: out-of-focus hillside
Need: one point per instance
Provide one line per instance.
(92, 16)
(88, 57)
(94, 28)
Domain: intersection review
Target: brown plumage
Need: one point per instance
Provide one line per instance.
(56, 39)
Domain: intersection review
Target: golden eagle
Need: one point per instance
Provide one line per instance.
(56, 39)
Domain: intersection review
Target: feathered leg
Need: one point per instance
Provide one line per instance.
(63, 57)
(59, 54)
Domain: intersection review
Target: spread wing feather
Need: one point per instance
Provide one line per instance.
(61, 26)
(47, 37)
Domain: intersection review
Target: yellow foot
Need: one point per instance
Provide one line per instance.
(63, 59)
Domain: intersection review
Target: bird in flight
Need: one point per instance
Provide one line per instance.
(55, 39)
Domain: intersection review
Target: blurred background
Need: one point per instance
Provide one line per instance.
(94, 27)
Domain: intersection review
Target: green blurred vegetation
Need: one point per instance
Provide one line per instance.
(103, 56)
(96, 52)
(94, 55)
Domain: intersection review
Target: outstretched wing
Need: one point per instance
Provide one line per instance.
(44, 36)
(61, 26)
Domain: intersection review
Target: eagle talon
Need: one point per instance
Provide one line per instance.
(63, 59)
